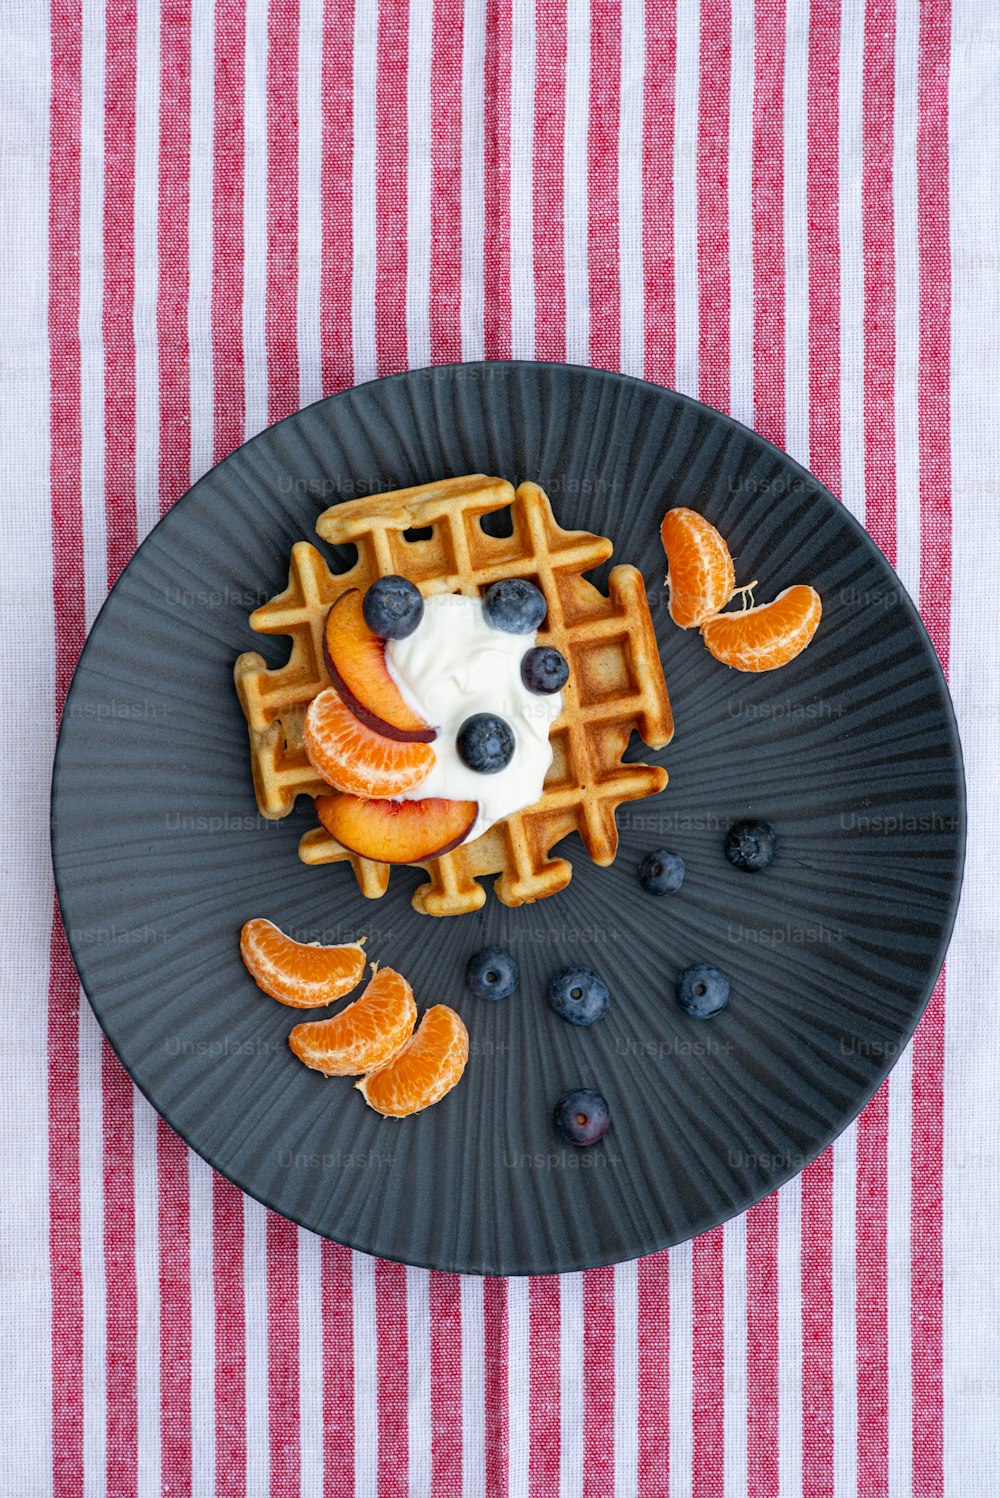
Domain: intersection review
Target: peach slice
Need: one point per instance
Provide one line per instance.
(397, 831)
(351, 757)
(369, 1033)
(355, 660)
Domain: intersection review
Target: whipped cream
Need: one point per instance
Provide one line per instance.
(456, 664)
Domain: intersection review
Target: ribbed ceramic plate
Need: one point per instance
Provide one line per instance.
(850, 752)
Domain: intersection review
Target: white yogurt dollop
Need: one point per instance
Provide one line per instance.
(455, 664)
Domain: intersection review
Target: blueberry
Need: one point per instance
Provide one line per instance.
(392, 608)
(492, 974)
(485, 743)
(702, 990)
(662, 872)
(579, 995)
(750, 846)
(514, 605)
(544, 669)
(582, 1116)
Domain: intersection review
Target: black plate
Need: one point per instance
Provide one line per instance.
(850, 751)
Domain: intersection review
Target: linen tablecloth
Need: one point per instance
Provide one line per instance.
(213, 213)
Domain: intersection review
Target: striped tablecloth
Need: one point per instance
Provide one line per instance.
(215, 213)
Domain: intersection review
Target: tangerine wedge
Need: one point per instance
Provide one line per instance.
(700, 570)
(302, 975)
(766, 637)
(368, 1033)
(427, 1068)
(397, 831)
(352, 757)
(355, 663)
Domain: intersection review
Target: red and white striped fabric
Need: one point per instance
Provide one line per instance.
(216, 211)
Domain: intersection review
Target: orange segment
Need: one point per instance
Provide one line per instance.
(424, 1071)
(368, 1033)
(354, 758)
(294, 973)
(768, 636)
(355, 662)
(397, 831)
(699, 568)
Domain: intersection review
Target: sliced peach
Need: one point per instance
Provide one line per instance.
(355, 659)
(352, 757)
(397, 831)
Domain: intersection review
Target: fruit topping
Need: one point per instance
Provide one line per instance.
(302, 975)
(355, 659)
(352, 757)
(579, 995)
(582, 1117)
(492, 974)
(768, 636)
(397, 831)
(702, 990)
(544, 669)
(485, 742)
(514, 605)
(424, 1071)
(700, 571)
(393, 607)
(368, 1033)
(750, 846)
(662, 872)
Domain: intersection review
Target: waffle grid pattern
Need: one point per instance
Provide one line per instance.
(616, 682)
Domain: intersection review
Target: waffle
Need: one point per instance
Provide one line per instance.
(615, 685)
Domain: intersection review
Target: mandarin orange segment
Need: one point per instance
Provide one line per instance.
(295, 973)
(700, 570)
(353, 758)
(397, 831)
(427, 1068)
(368, 1033)
(766, 637)
(355, 663)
